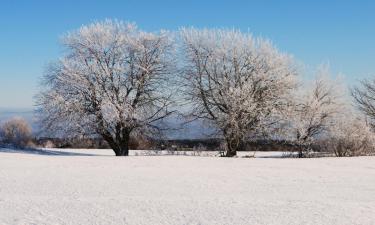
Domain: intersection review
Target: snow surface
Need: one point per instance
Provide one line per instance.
(75, 187)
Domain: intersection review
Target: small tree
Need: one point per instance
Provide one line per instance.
(235, 81)
(314, 109)
(364, 97)
(111, 82)
(17, 132)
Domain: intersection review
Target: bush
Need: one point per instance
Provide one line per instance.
(16, 132)
(352, 137)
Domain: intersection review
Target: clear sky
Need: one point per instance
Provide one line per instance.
(316, 31)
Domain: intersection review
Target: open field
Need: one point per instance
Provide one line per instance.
(71, 188)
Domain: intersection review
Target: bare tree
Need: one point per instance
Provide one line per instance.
(16, 131)
(314, 110)
(364, 97)
(235, 81)
(111, 82)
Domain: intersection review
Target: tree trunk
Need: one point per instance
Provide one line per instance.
(122, 152)
(232, 148)
(123, 143)
(120, 145)
(300, 153)
(124, 148)
(231, 153)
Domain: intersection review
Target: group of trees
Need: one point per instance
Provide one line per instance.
(116, 81)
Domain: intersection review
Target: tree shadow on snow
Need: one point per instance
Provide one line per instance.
(43, 152)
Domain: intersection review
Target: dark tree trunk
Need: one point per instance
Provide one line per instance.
(122, 152)
(120, 145)
(300, 153)
(232, 147)
(124, 148)
(231, 153)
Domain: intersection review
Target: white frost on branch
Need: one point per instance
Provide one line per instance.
(235, 81)
(111, 82)
(315, 108)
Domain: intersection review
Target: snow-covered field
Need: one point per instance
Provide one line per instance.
(92, 187)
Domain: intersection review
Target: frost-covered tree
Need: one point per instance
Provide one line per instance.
(235, 81)
(111, 82)
(314, 109)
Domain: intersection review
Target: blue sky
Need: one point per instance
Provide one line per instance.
(339, 32)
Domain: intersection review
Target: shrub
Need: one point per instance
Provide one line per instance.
(352, 137)
(16, 132)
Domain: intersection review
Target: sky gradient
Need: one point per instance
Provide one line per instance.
(341, 33)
